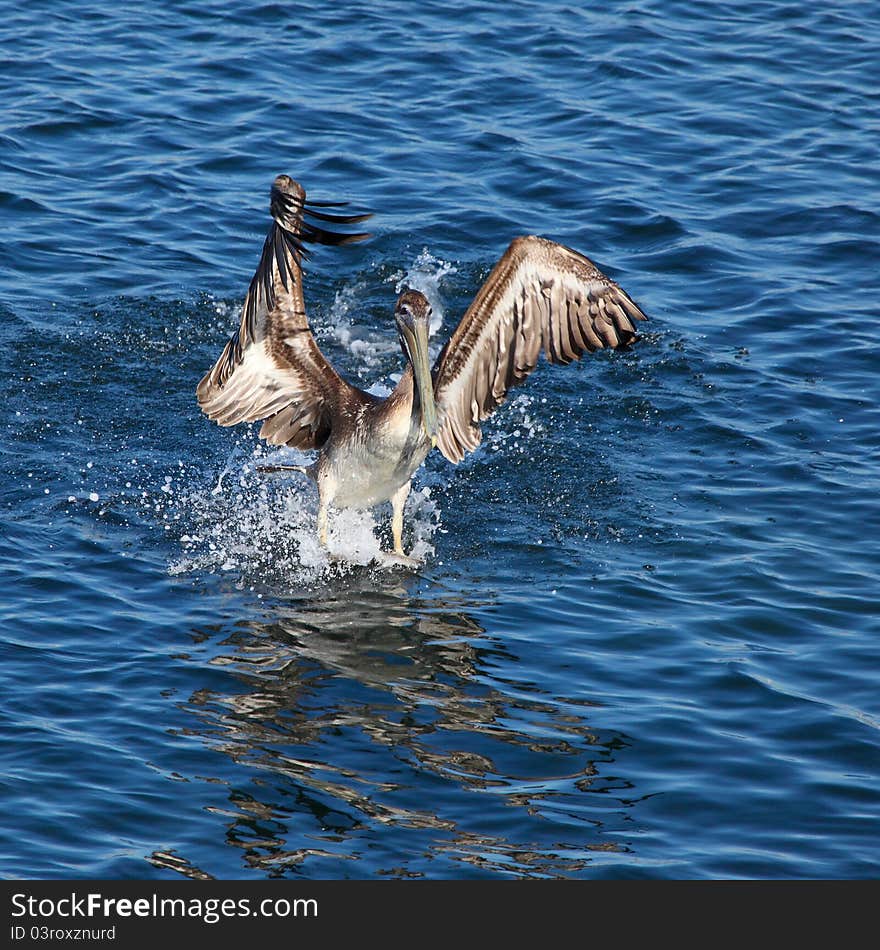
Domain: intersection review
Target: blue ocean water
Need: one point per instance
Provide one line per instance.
(644, 641)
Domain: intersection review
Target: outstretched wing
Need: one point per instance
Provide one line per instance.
(272, 368)
(539, 296)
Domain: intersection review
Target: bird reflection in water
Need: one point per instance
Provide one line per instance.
(371, 706)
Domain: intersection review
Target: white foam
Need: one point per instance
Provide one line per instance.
(372, 346)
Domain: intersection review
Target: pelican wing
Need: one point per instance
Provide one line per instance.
(539, 296)
(272, 368)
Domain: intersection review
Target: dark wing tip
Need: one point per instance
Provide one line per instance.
(287, 206)
(288, 185)
(286, 202)
(632, 309)
(327, 204)
(316, 235)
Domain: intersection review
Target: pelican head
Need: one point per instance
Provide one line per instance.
(413, 316)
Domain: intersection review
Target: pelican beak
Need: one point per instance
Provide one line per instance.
(415, 338)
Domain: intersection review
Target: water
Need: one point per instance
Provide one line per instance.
(644, 641)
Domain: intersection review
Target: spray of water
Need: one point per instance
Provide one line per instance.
(262, 526)
(426, 275)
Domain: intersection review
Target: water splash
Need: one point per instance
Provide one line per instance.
(369, 346)
(426, 274)
(262, 527)
(521, 424)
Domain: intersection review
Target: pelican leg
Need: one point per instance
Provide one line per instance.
(322, 523)
(398, 501)
(322, 532)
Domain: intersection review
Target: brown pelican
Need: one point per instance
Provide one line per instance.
(540, 296)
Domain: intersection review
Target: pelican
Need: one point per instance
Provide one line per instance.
(540, 296)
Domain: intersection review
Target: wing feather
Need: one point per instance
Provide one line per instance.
(272, 367)
(541, 296)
